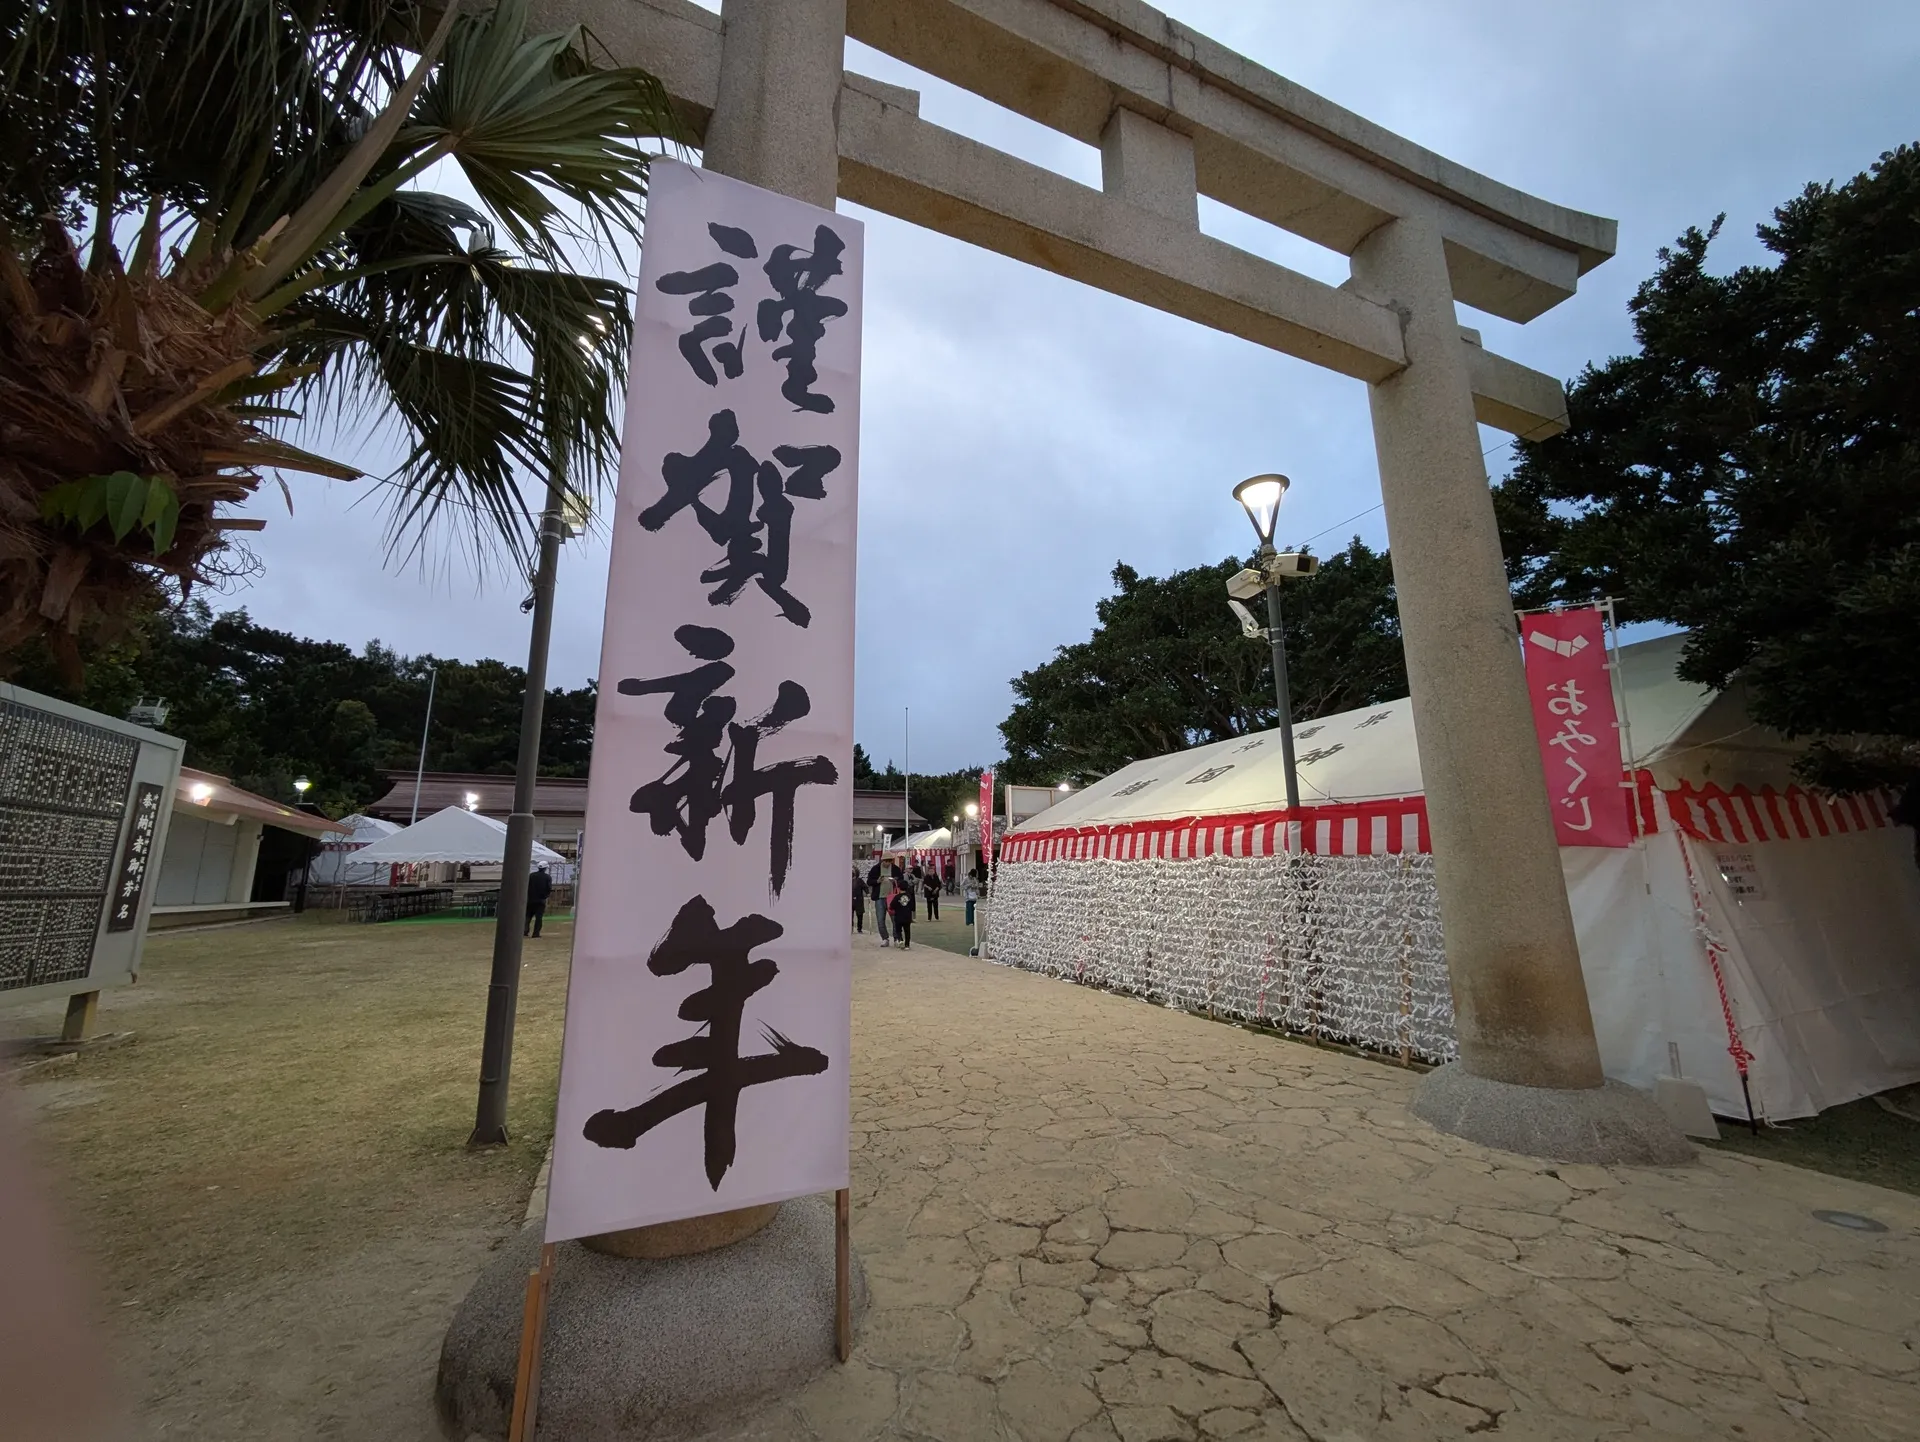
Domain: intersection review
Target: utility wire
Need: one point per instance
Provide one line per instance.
(1534, 434)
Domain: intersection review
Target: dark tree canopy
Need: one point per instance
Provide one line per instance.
(938, 796)
(1753, 473)
(1167, 667)
(263, 706)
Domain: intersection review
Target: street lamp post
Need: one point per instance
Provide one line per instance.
(420, 771)
(300, 785)
(1260, 497)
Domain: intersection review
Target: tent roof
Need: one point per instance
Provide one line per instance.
(1364, 755)
(451, 834)
(938, 839)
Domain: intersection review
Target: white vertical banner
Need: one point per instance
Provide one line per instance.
(705, 1065)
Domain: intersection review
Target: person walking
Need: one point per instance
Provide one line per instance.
(930, 888)
(859, 901)
(876, 889)
(539, 888)
(901, 905)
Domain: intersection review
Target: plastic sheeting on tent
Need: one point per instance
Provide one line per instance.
(1750, 918)
(451, 834)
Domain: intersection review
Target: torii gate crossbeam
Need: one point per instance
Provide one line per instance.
(1177, 115)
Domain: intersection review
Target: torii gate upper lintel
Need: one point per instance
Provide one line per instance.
(1177, 115)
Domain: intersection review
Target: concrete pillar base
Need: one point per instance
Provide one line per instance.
(1610, 1125)
(663, 1350)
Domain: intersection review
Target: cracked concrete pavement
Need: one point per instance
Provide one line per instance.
(1089, 1219)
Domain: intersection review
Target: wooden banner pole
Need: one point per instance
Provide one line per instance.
(533, 1325)
(842, 1275)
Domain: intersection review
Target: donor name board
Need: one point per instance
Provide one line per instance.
(705, 1065)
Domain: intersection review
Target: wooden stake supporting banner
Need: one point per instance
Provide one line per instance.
(842, 1275)
(533, 1325)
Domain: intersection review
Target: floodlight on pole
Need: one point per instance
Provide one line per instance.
(300, 784)
(973, 810)
(1260, 497)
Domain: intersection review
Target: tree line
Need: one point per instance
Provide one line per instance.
(1751, 473)
(263, 706)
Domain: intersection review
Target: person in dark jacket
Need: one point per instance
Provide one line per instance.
(930, 888)
(539, 888)
(859, 900)
(876, 888)
(900, 905)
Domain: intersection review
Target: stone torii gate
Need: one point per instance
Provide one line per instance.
(763, 89)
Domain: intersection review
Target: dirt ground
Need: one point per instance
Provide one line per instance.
(272, 1180)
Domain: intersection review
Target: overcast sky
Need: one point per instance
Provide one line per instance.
(1021, 433)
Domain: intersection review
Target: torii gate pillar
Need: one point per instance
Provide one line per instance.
(1529, 1076)
(773, 120)
(1520, 1005)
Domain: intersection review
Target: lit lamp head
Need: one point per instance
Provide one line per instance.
(973, 809)
(1066, 786)
(201, 793)
(1260, 497)
(300, 784)
(473, 801)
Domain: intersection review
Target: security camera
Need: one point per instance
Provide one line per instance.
(1294, 564)
(1249, 627)
(1245, 585)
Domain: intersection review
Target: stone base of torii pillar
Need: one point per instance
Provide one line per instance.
(659, 1333)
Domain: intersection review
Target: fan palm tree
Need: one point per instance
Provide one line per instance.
(213, 225)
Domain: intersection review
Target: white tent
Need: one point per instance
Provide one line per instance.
(1750, 916)
(452, 834)
(939, 838)
(338, 863)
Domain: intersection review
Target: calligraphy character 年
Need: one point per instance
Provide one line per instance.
(712, 1054)
(702, 784)
(708, 286)
(758, 540)
(803, 312)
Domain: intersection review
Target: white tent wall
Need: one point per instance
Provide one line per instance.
(1821, 943)
(1649, 981)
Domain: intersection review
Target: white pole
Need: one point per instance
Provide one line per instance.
(906, 795)
(433, 679)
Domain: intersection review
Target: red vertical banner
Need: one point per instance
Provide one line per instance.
(1578, 726)
(986, 819)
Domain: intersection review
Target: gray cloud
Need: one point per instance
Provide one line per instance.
(1020, 433)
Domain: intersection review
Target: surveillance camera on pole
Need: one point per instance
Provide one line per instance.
(1249, 627)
